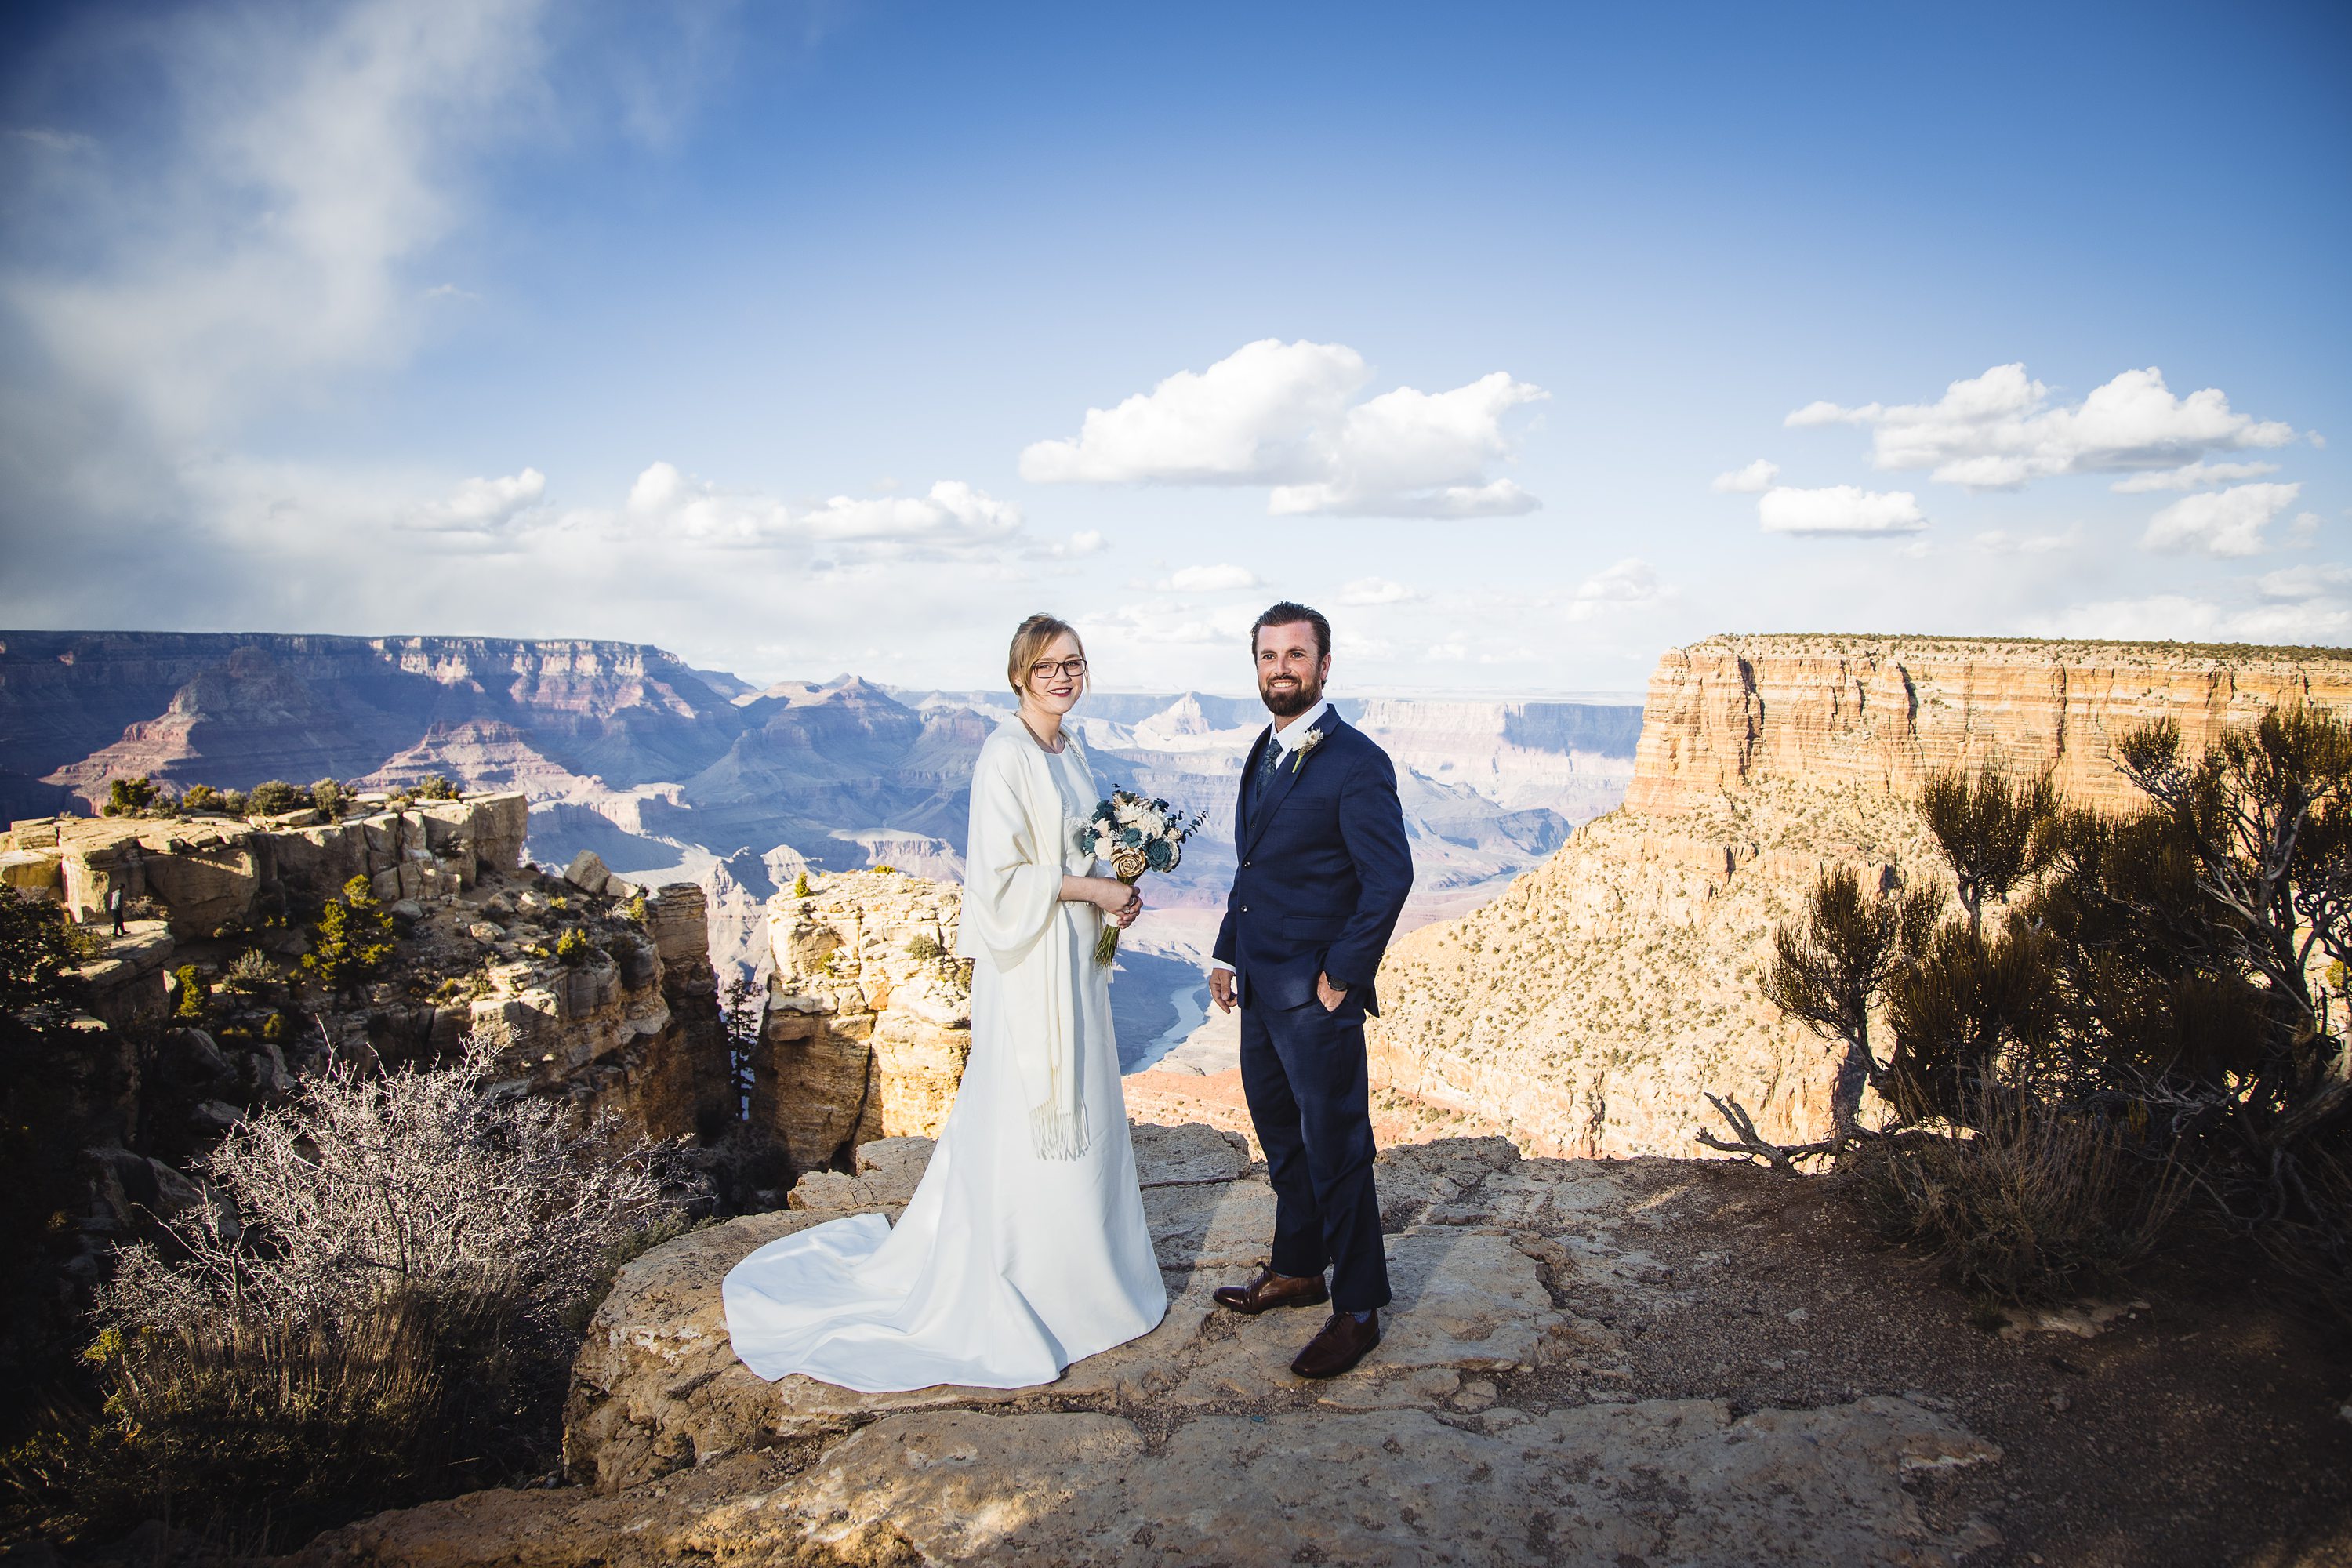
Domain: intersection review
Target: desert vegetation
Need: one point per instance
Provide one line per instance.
(2149, 1029)
(375, 1302)
(141, 795)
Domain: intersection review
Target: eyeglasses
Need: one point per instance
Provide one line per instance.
(1044, 668)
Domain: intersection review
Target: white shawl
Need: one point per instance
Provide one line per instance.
(1018, 848)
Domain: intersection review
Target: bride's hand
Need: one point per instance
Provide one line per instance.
(1118, 902)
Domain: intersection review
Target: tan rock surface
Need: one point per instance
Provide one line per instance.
(1492, 1425)
(868, 1017)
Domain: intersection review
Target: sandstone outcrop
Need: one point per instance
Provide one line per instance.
(1883, 713)
(1589, 1007)
(631, 1028)
(1498, 1423)
(867, 1019)
(212, 871)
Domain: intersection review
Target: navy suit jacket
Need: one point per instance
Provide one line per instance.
(1321, 874)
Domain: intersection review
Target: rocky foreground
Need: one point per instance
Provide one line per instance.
(1506, 1419)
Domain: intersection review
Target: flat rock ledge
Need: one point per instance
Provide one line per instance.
(1490, 1426)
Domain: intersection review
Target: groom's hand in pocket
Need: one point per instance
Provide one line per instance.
(1330, 995)
(1221, 989)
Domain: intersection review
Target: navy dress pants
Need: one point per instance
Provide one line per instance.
(1303, 1071)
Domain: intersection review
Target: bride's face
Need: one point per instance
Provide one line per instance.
(1053, 685)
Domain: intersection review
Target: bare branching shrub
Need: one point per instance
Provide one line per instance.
(427, 1181)
(250, 972)
(392, 1264)
(2040, 1202)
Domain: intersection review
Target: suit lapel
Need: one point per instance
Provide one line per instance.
(1285, 779)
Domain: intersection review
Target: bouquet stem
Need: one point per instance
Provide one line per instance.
(1107, 945)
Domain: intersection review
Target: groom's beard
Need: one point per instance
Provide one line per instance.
(1286, 697)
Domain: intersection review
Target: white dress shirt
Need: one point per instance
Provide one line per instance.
(1287, 737)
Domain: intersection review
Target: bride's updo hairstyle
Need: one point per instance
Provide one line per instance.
(1029, 644)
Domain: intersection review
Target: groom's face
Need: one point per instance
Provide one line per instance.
(1290, 669)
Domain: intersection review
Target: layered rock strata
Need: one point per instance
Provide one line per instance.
(630, 1028)
(867, 1019)
(212, 871)
(1880, 714)
(1590, 1006)
(1497, 1423)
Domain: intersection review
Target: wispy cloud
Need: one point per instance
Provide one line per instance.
(2000, 430)
(2220, 522)
(1753, 480)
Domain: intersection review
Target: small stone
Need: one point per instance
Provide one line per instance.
(1796, 1315)
(483, 931)
(587, 872)
(1476, 1394)
(2061, 1403)
(407, 910)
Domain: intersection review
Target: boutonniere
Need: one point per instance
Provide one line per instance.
(1306, 743)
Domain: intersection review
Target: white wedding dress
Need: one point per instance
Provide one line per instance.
(1007, 1265)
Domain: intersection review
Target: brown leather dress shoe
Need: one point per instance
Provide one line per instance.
(1270, 1290)
(1342, 1343)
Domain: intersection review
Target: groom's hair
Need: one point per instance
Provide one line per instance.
(1288, 614)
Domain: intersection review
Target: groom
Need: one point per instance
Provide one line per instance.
(1322, 875)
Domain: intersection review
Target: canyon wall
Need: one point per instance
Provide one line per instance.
(1590, 1005)
(1882, 713)
(867, 1020)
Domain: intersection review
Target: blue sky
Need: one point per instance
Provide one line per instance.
(771, 333)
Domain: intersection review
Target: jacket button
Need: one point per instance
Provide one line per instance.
(1244, 909)
(1245, 865)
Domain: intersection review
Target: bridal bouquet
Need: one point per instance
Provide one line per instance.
(1136, 836)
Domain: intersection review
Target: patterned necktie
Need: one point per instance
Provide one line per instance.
(1267, 766)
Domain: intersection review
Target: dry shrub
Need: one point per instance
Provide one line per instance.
(377, 1305)
(2040, 1202)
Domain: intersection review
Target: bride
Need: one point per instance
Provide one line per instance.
(1025, 1248)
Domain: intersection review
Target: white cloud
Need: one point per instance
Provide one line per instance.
(953, 513)
(2311, 618)
(1997, 431)
(1839, 509)
(1632, 584)
(1282, 415)
(1446, 652)
(2303, 581)
(1253, 418)
(2220, 522)
(1376, 591)
(490, 503)
(2193, 476)
(1218, 579)
(1754, 480)
(2303, 532)
(680, 511)
(1164, 622)
(1416, 454)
